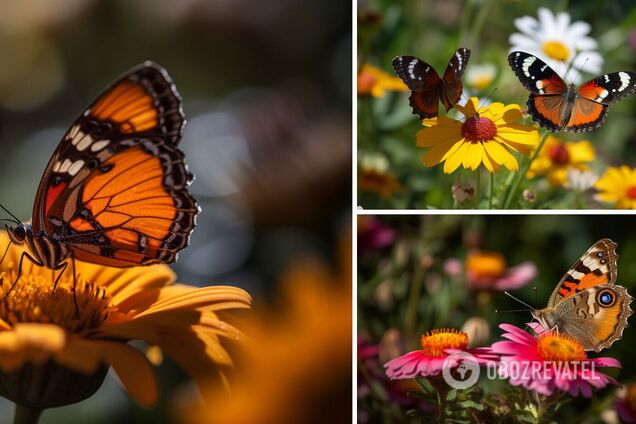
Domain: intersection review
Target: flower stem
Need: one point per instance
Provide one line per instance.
(26, 415)
(524, 170)
(477, 184)
(492, 189)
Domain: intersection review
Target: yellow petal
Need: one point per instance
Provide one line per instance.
(30, 342)
(445, 131)
(454, 160)
(507, 114)
(440, 152)
(581, 152)
(500, 155)
(474, 152)
(520, 134)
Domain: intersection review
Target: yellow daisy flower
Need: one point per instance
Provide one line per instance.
(375, 176)
(618, 186)
(484, 137)
(558, 157)
(51, 354)
(374, 81)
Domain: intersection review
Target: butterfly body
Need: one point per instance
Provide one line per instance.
(115, 192)
(427, 88)
(586, 304)
(558, 106)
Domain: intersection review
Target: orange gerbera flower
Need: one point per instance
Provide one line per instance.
(376, 82)
(51, 354)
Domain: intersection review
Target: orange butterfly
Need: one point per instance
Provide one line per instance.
(115, 192)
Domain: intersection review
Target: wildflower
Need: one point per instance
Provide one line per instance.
(558, 157)
(301, 352)
(618, 186)
(375, 176)
(581, 180)
(478, 330)
(484, 137)
(52, 354)
(555, 361)
(625, 404)
(480, 76)
(463, 191)
(436, 348)
(529, 195)
(488, 271)
(560, 44)
(373, 234)
(375, 82)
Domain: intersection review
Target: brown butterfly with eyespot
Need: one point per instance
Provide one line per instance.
(586, 304)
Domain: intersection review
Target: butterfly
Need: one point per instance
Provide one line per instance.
(557, 106)
(427, 89)
(586, 304)
(114, 193)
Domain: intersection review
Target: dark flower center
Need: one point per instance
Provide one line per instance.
(559, 155)
(631, 192)
(479, 129)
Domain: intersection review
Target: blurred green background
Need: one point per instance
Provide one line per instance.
(266, 88)
(404, 291)
(432, 30)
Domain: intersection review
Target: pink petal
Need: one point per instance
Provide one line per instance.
(607, 362)
(516, 277)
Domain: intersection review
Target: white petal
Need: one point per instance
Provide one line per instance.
(578, 29)
(528, 25)
(547, 21)
(521, 42)
(563, 22)
(584, 43)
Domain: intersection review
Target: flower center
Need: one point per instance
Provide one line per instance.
(365, 82)
(435, 342)
(486, 264)
(559, 154)
(33, 300)
(560, 348)
(556, 50)
(631, 192)
(478, 129)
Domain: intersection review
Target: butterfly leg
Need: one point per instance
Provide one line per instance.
(29, 257)
(61, 267)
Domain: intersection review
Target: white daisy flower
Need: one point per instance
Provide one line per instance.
(560, 43)
(581, 180)
(480, 75)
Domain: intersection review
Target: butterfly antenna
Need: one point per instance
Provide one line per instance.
(513, 310)
(486, 99)
(520, 301)
(15, 219)
(578, 71)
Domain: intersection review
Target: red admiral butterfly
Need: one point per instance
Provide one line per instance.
(557, 106)
(427, 88)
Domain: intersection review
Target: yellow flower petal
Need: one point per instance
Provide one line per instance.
(440, 152)
(446, 130)
(500, 155)
(474, 154)
(454, 160)
(520, 134)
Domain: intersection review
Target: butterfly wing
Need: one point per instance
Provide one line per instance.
(595, 316)
(597, 266)
(590, 107)
(547, 101)
(452, 88)
(115, 190)
(424, 83)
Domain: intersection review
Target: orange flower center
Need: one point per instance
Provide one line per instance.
(559, 154)
(486, 264)
(365, 82)
(560, 348)
(435, 342)
(478, 129)
(631, 396)
(33, 300)
(631, 192)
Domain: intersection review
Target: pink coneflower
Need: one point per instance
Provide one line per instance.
(550, 362)
(488, 271)
(437, 345)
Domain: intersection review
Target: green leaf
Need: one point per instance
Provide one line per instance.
(424, 384)
(451, 396)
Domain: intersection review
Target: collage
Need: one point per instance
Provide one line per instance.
(496, 171)
(317, 212)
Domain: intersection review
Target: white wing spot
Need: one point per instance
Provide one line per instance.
(411, 67)
(84, 142)
(73, 132)
(75, 168)
(624, 76)
(607, 78)
(65, 166)
(527, 62)
(56, 167)
(99, 145)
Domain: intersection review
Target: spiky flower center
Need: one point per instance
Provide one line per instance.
(559, 154)
(477, 129)
(435, 342)
(631, 192)
(486, 264)
(560, 348)
(33, 300)
(556, 50)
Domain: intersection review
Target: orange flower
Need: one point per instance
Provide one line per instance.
(302, 354)
(52, 354)
(374, 81)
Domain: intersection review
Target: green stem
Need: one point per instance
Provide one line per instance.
(410, 318)
(524, 170)
(477, 184)
(26, 415)
(492, 189)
